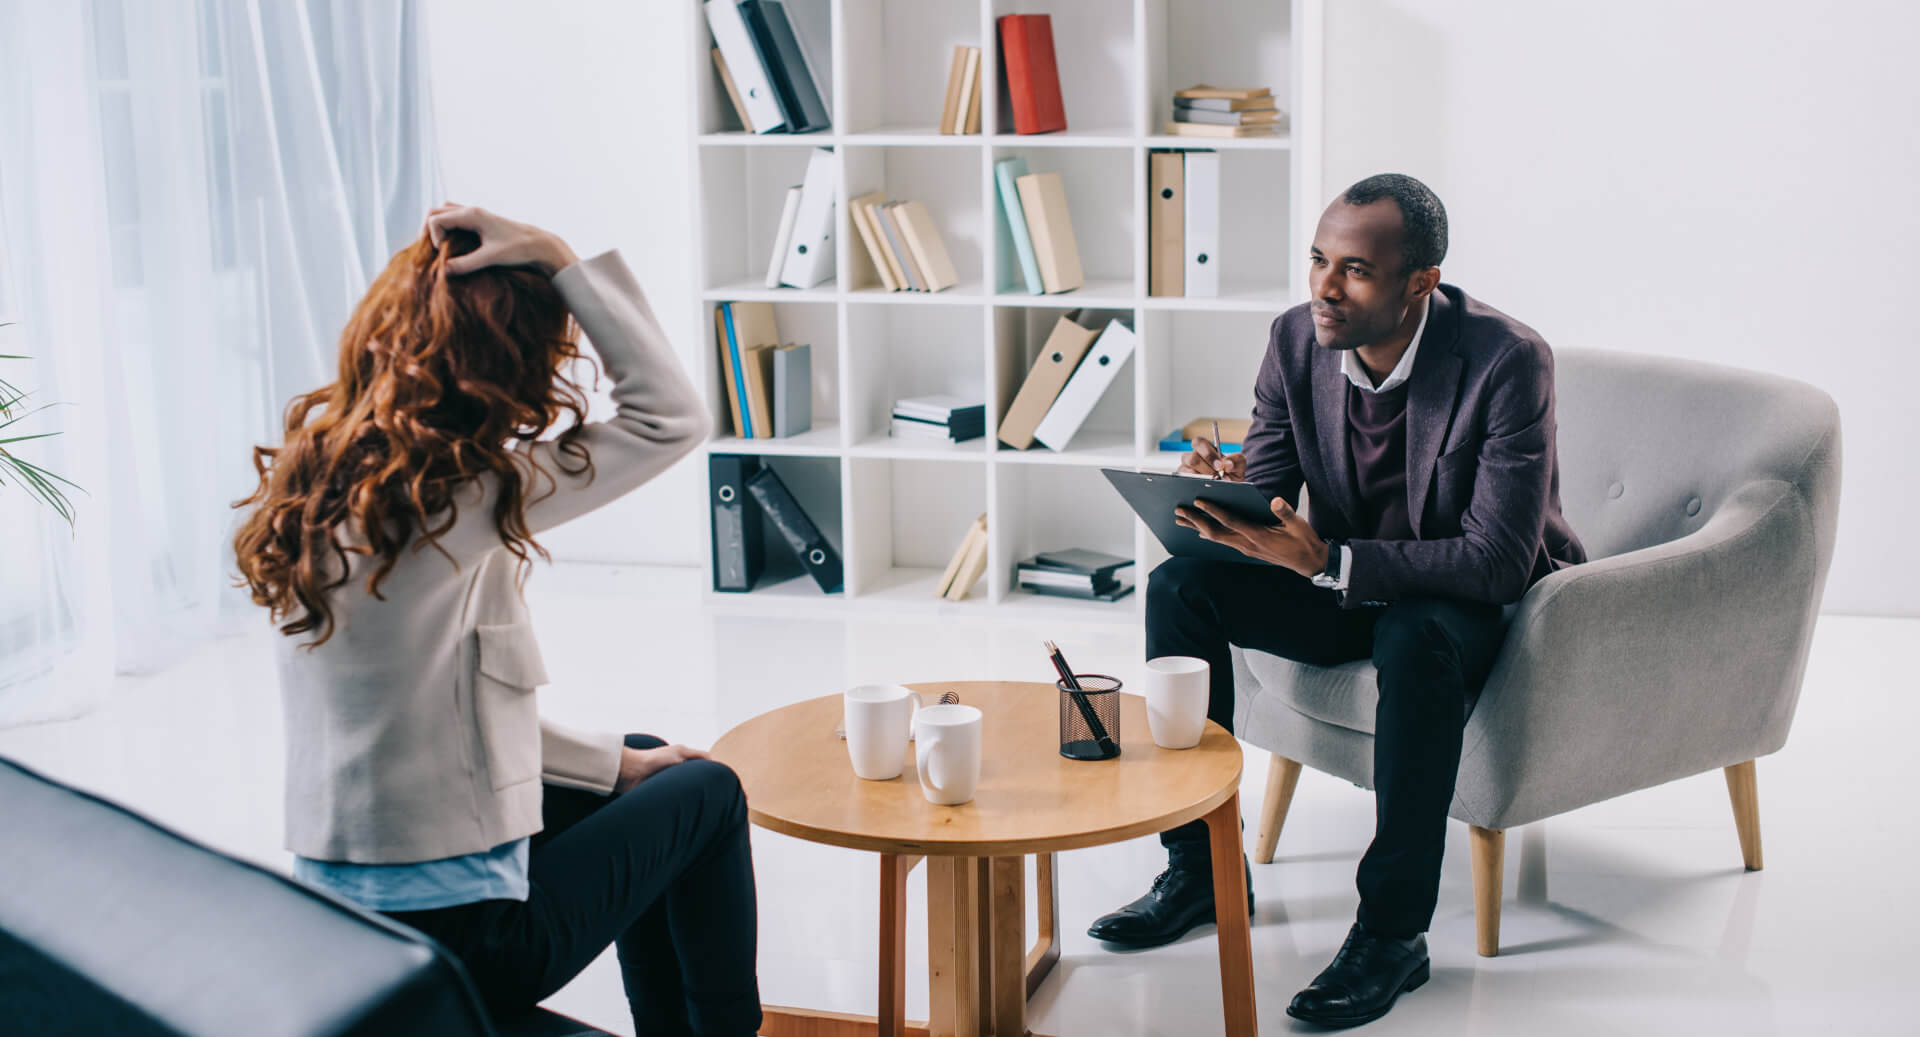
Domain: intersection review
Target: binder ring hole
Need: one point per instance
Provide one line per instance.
(803, 251)
(1166, 192)
(1203, 257)
(817, 556)
(1105, 360)
(726, 495)
(1057, 358)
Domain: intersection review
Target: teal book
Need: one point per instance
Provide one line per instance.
(1005, 172)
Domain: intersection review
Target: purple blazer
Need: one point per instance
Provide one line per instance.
(1483, 480)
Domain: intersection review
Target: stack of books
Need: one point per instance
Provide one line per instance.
(1072, 372)
(803, 243)
(961, 113)
(908, 253)
(968, 564)
(769, 385)
(947, 418)
(1214, 111)
(1035, 208)
(765, 71)
(1077, 573)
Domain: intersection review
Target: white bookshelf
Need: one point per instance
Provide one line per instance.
(896, 510)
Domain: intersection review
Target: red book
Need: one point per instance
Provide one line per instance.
(1033, 80)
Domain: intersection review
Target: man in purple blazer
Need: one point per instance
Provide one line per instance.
(1421, 422)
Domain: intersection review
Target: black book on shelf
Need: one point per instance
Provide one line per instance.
(786, 65)
(738, 551)
(808, 543)
(1080, 560)
(1114, 593)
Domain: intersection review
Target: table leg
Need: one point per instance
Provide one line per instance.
(893, 944)
(1235, 934)
(1008, 923)
(955, 982)
(1046, 949)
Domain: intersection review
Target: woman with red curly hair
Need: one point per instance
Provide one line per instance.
(390, 536)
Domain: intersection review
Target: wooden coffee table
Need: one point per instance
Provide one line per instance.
(1030, 801)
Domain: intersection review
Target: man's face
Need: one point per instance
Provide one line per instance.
(1359, 290)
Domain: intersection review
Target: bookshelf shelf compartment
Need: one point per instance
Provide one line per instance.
(897, 508)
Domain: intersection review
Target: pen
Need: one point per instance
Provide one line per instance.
(1218, 454)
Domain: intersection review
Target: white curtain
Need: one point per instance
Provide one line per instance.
(193, 194)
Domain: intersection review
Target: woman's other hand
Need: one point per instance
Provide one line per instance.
(503, 242)
(637, 765)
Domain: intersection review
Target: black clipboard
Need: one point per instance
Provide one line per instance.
(1153, 497)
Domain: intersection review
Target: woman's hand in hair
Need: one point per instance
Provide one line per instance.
(637, 765)
(503, 242)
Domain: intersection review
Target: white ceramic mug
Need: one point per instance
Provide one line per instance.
(878, 719)
(1177, 690)
(947, 751)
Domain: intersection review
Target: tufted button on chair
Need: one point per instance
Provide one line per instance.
(1706, 497)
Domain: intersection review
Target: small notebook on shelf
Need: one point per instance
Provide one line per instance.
(1032, 77)
(968, 564)
(961, 112)
(939, 417)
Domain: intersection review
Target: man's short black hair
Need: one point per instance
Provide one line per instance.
(1421, 214)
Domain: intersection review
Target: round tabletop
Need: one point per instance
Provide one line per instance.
(800, 782)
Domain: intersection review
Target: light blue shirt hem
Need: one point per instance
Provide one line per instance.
(496, 874)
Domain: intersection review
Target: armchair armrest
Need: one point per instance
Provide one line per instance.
(1634, 670)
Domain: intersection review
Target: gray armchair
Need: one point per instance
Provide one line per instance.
(1706, 497)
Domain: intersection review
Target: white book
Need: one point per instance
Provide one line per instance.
(1090, 381)
(810, 252)
(783, 237)
(1203, 224)
(932, 408)
(743, 64)
(902, 429)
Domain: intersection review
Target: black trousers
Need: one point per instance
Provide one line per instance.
(1432, 656)
(662, 872)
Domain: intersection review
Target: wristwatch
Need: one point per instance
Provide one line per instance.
(1330, 576)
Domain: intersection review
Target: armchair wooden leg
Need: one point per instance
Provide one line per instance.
(1282, 775)
(1743, 788)
(1489, 854)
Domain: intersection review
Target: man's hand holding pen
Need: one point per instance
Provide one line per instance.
(1209, 460)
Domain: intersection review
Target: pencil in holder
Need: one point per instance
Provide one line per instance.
(1078, 740)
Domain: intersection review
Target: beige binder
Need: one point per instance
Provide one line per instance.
(1044, 200)
(733, 92)
(870, 236)
(1067, 343)
(1167, 223)
(929, 251)
(754, 327)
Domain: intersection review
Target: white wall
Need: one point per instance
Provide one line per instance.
(576, 117)
(1734, 183)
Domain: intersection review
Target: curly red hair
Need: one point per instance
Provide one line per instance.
(438, 376)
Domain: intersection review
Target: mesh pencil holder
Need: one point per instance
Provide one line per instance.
(1077, 739)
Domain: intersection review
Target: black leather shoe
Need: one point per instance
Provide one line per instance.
(1181, 898)
(1366, 977)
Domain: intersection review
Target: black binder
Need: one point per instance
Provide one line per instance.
(808, 543)
(738, 551)
(786, 65)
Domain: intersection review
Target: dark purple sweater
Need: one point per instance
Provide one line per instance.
(1377, 443)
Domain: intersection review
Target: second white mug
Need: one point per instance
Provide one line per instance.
(1177, 690)
(947, 751)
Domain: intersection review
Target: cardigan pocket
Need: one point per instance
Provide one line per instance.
(510, 668)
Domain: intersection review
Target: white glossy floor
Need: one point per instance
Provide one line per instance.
(1641, 920)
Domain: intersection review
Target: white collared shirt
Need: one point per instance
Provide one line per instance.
(1356, 373)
